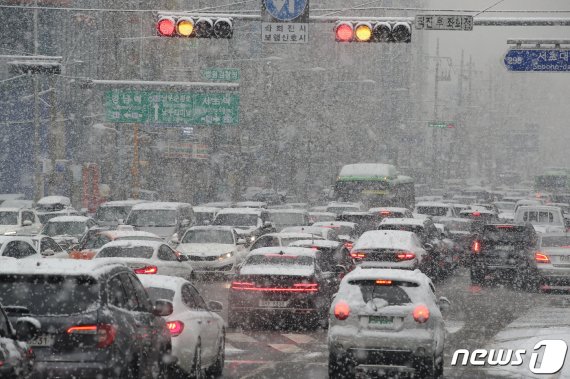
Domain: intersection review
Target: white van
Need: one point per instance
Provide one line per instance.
(161, 218)
(545, 219)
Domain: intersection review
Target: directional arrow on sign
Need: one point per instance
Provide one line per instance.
(279, 4)
(156, 106)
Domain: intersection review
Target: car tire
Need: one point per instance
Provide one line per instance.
(197, 370)
(340, 367)
(427, 368)
(216, 370)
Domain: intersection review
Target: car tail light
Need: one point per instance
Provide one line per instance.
(405, 256)
(175, 328)
(385, 213)
(341, 310)
(421, 313)
(242, 285)
(476, 214)
(505, 226)
(383, 282)
(540, 257)
(105, 333)
(146, 270)
(476, 246)
(307, 287)
(357, 255)
(348, 245)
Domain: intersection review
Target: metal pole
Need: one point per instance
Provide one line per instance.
(53, 147)
(135, 166)
(434, 132)
(37, 166)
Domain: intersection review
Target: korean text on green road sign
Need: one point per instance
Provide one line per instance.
(221, 74)
(172, 108)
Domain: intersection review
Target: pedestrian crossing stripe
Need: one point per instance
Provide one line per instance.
(286, 348)
(299, 338)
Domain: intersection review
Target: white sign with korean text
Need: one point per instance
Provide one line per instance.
(284, 32)
(444, 22)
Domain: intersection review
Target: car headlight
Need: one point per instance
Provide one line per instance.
(251, 239)
(11, 233)
(226, 256)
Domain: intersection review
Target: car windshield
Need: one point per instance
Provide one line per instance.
(64, 228)
(113, 214)
(208, 236)
(432, 211)
(152, 217)
(236, 219)
(49, 295)
(288, 218)
(8, 218)
(157, 293)
(391, 293)
(279, 260)
(143, 252)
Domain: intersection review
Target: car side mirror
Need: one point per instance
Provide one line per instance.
(182, 258)
(428, 247)
(185, 223)
(174, 240)
(444, 304)
(27, 223)
(27, 328)
(48, 253)
(215, 306)
(241, 241)
(162, 308)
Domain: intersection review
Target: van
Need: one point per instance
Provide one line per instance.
(545, 219)
(161, 218)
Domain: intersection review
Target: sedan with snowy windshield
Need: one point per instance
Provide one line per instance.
(387, 322)
(389, 249)
(147, 257)
(212, 248)
(19, 221)
(68, 230)
(196, 328)
(280, 284)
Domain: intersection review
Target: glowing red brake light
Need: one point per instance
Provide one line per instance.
(505, 226)
(307, 287)
(383, 282)
(385, 213)
(341, 310)
(476, 247)
(348, 245)
(241, 285)
(175, 328)
(147, 270)
(166, 27)
(405, 256)
(421, 313)
(357, 255)
(476, 214)
(105, 333)
(540, 257)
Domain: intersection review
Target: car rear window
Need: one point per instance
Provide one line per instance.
(50, 294)
(432, 211)
(280, 260)
(143, 252)
(393, 293)
(157, 293)
(507, 234)
(556, 241)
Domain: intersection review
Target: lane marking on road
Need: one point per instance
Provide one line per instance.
(230, 350)
(453, 327)
(240, 337)
(286, 348)
(299, 338)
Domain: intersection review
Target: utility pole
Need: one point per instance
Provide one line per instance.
(435, 140)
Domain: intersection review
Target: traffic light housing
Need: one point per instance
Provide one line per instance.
(359, 31)
(195, 27)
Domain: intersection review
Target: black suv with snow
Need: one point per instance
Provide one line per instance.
(95, 319)
(504, 252)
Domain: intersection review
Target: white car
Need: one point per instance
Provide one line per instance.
(18, 248)
(282, 218)
(67, 230)
(553, 262)
(196, 328)
(147, 257)
(281, 239)
(386, 320)
(389, 249)
(53, 206)
(212, 248)
(434, 210)
(543, 218)
(19, 221)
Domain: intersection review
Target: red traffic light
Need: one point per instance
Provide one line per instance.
(381, 31)
(344, 32)
(166, 26)
(188, 26)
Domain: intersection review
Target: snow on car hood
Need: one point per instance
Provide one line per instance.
(205, 249)
(276, 270)
(245, 230)
(9, 228)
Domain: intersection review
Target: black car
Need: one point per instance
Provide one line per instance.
(16, 357)
(504, 252)
(96, 319)
(282, 284)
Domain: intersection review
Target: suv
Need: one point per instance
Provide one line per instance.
(95, 318)
(19, 221)
(504, 252)
(164, 219)
(249, 223)
(545, 219)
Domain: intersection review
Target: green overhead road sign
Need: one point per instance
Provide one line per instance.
(172, 108)
(442, 124)
(216, 74)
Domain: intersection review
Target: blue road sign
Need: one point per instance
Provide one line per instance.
(286, 10)
(539, 60)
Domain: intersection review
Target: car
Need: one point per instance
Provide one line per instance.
(17, 203)
(506, 210)
(49, 207)
(249, 223)
(89, 246)
(552, 261)
(364, 221)
(338, 207)
(114, 213)
(390, 212)
(16, 356)
(67, 230)
(147, 257)
(479, 215)
(390, 249)
(18, 247)
(197, 330)
(205, 215)
(321, 216)
(326, 233)
(281, 239)
(282, 218)
(47, 247)
(19, 221)
(280, 284)
(434, 210)
(251, 204)
(505, 252)
(212, 248)
(95, 318)
(164, 219)
(333, 253)
(346, 231)
(389, 321)
(545, 219)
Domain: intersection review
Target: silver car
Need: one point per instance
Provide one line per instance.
(553, 262)
(386, 320)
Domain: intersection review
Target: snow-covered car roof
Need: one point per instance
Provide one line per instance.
(172, 283)
(251, 204)
(289, 235)
(433, 204)
(19, 204)
(538, 208)
(480, 210)
(318, 230)
(6, 239)
(251, 211)
(10, 209)
(386, 239)
(403, 221)
(288, 210)
(325, 224)
(323, 214)
(368, 169)
(388, 209)
(158, 205)
(373, 273)
(213, 227)
(121, 203)
(116, 234)
(297, 251)
(134, 243)
(206, 209)
(48, 200)
(69, 219)
(217, 204)
(57, 266)
(327, 244)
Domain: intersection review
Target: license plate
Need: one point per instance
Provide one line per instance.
(380, 320)
(273, 304)
(564, 258)
(44, 340)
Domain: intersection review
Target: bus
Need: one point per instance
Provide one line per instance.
(553, 180)
(375, 185)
